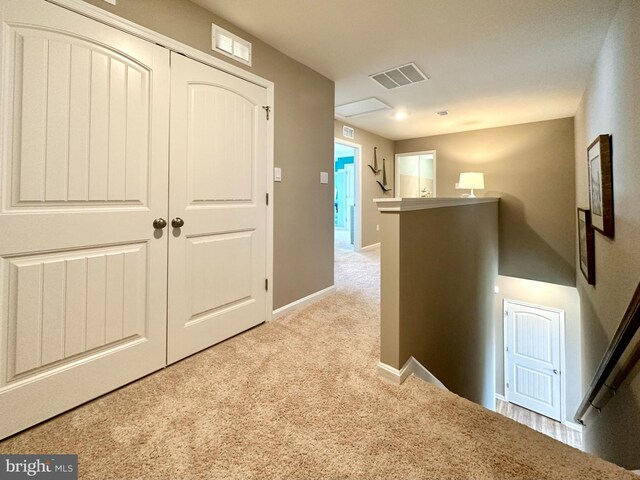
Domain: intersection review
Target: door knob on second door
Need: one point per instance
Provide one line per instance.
(177, 222)
(159, 223)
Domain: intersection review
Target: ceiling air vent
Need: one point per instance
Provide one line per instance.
(361, 107)
(347, 132)
(399, 76)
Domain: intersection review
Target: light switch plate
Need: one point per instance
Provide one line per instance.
(324, 177)
(112, 2)
(277, 174)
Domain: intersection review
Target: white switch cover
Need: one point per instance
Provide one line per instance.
(277, 174)
(112, 2)
(324, 177)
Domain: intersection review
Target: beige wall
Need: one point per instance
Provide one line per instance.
(390, 290)
(303, 224)
(370, 189)
(546, 295)
(530, 167)
(610, 106)
(437, 305)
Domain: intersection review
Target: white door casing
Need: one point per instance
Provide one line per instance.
(533, 358)
(83, 174)
(217, 260)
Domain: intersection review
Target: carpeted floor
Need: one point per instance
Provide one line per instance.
(299, 398)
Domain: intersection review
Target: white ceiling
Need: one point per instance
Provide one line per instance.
(491, 62)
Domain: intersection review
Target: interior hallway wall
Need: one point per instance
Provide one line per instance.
(435, 295)
(610, 106)
(531, 168)
(370, 189)
(303, 112)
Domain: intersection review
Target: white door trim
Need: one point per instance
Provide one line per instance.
(561, 313)
(144, 33)
(396, 178)
(357, 240)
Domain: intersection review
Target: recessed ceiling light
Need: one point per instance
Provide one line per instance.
(443, 113)
(400, 115)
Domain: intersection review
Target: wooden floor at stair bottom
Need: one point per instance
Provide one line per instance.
(540, 423)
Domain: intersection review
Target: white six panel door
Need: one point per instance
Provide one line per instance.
(217, 259)
(83, 169)
(533, 358)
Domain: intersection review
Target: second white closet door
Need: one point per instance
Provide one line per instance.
(217, 257)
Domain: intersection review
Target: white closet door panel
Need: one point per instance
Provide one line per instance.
(32, 56)
(96, 301)
(75, 312)
(137, 133)
(81, 116)
(53, 312)
(79, 126)
(58, 94)
(210, 255)
(217, 260)
(221, 131)
(83, 172)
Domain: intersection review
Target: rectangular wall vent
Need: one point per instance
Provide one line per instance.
(399, 76)
(361, 107)
(226, 43)
(347, 132)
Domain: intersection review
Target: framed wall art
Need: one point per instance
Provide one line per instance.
(586, 246)
(601, 185)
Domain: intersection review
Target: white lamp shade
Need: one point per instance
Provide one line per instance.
(471, 180)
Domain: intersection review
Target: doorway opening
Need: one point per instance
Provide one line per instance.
(416, 174)
(346, 215)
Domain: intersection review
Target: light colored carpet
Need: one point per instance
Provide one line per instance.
(299, 398)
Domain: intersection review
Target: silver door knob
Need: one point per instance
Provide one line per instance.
(177, 222)
(159, 223)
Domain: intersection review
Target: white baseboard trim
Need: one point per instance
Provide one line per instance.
(573, 426)
(411, 366)
(370, 247)
(500, 397)
(303, 302)
(393, 374)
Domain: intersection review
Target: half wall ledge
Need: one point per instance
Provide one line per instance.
(439, 265)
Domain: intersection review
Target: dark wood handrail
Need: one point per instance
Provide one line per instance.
(621, 340)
